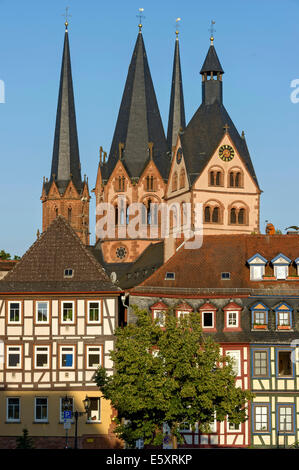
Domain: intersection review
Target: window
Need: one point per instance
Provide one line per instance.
(286, 418)
(232, 319)
(94, 356)
(283, 318)
(169, 276)
(94, 312)
(212, 214)
(231, 427)
(261, 415)
(207, 320)
(41, 409)
(259, 318)
(68, 272)
(260, 364)
(236, 358)
(13, 409)
(14, 357)
(61, 410)
(67, 354)
(241, 216)
(94, 413)
(284, 364)
(67, 312)
(121, 183)
(14, 312)
(42, 312)
(281, 266)
(69, 215)
(257, 273)
(215, 215)
(281, 272)
(149, 183)
(233, 216)
(182, 313)
(216, 178)
(41, 357)
(225, 275)
(235, 180)
(207, 214)
(159, 315)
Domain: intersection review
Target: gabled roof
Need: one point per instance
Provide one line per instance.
(42, 267)
(211, 63)
(260, 257)
(199, 270)
(176, 119)
(139, 121)
(282, 256)
(204, 133)
(65, 159)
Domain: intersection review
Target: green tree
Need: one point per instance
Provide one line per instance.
(24, 441)
(4, 255)
(170, 375)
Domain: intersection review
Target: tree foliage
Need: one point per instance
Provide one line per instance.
(170, 375)
(4, 255)
(24, 441)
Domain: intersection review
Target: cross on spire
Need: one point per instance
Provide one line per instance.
(212, 31)
(226, 127)
(140, 16)
(67, 16)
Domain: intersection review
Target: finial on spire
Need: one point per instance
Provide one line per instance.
(177, 25)
(140, 16)
(66, 15)
(212, 31)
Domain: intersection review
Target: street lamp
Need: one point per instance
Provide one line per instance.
(67, 405)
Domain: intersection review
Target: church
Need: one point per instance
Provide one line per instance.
(205, 162)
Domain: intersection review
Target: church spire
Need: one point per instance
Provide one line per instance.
(211, 72)
(139, 123)
(176, 119)
(65, 159)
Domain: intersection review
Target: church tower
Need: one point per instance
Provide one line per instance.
(176, 120)
(138, 164)
(65, 193)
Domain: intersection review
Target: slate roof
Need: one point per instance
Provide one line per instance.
(65, 159)
(200, 270)
(42, 267)
(139, 121)
(176, 119)
(211, 63)
(204, 133)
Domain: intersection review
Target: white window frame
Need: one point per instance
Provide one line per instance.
(41, 322)
(232, 353)
(233, 430)
(91, 421)
(202, 318)
(155, 312)
(12, 420)
(94, 322)
(182, 313)
(228, 312)
(100, 349)
(20, 312)
(279, 268)
(20, 349)
(256, 407)
(64, 322)
(253, 272)
(61, 348)
(44, 420)
(283, 312)
(285, 406)
(46, 350)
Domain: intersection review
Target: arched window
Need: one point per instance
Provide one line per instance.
(56, 211)
(175, 182)
(238, 180)
(215, 215)
(216, 177)
(241, 216)
(235, 179)
(231, 179)
(212, 178)
(149, 212)
(207, 214)
(69, 215)
(116, 215)
(233, 216)
(182, 178)
(121, 183)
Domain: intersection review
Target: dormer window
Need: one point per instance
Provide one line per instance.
(257, 265)
(281, 266)
(169, 276)
(159, 310)
(283, 316)
(225, 276)
(68, 273)
(232, 317)
(208, 317)
(183, 309)
(259, 316)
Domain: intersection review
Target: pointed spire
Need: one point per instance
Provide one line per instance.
(176, 119)
(139, 122)
(211, 65)
(66, 160)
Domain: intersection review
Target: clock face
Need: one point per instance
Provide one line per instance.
(179, 155)
(226, 153)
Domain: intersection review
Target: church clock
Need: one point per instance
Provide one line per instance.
(226, 153)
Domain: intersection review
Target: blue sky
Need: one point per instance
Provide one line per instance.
(257, 42)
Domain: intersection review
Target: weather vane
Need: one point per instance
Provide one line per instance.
(177, 25)
(66, 15)
(140, 16)
(212, 31)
